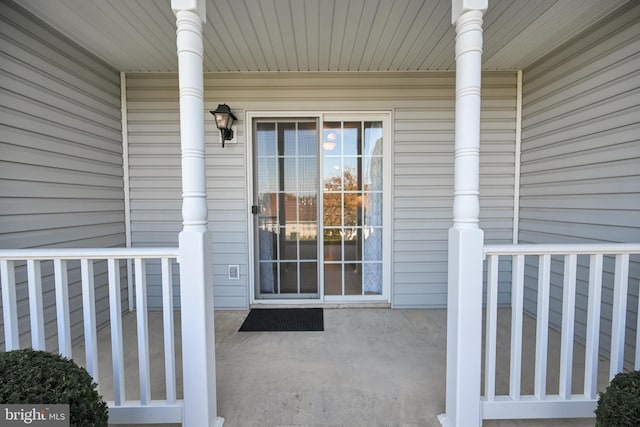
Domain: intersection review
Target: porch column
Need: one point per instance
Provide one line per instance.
(466, 239)
(196, 279)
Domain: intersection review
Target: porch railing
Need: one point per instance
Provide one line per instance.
(540, 279)
(121, 410)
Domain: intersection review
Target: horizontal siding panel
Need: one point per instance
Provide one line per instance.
(625, 185)
(420, 300)
(618, 135)
(612, 217)
(111, 165)
(611, 169)
(612, 153)
(585, 232)
(581, 202)
(45, 174)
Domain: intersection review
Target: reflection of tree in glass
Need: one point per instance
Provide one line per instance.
(333, 203)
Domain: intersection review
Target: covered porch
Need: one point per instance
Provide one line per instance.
(113, 199)
(370, 366)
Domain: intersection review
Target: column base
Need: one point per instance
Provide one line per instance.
(444, 422)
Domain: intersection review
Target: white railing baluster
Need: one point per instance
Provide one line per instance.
(143, 331)
(167, 316)
(9, 305)
(568, 320)
(593, 327)
(61, 281)
(36, 311)
(89, 317)
(115, 317)
(517, 301)
(491, 328)
(619, 315)
(542, 326)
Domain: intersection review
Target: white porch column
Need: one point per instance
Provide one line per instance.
(466, 239)
(196, 279)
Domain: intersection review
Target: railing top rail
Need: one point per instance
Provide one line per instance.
(562, 249)
(86, 253)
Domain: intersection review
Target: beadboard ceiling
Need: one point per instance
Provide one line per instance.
(318, 35)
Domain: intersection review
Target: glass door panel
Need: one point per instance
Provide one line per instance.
(286, 208)
(352, 207)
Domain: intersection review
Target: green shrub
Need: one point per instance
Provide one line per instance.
(38, 377)
(619, 405)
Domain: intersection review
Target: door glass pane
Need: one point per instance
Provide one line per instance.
(308, 141)
(332, 138)
(286, 184)
(351, 139)
(372, 138)
(287, 139)
(288, 278)
(353, 279)
(268, 173)
(332, 244)
(332, 279)
(266, 139)
(308, 277)
(332, 209)
(352, 207)
(351, 175)
(268, 277)
(352, 244)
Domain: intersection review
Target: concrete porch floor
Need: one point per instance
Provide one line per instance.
(370, 367)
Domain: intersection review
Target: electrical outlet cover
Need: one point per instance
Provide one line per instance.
(234, 272)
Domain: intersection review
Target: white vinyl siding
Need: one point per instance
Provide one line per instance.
(422, 187)
(581, 157)
(60, 155)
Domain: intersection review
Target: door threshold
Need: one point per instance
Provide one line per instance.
(323, 305)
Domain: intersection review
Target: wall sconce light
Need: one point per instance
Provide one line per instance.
(224, 120)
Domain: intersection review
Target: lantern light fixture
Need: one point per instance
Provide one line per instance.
(224, 120)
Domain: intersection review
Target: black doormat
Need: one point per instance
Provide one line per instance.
(283, 320)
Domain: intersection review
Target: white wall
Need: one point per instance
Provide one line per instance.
(581, 156)
(423, 106)
(60, 153)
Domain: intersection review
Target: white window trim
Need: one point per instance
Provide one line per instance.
(386, 116)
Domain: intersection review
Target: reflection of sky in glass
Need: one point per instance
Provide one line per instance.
(331, 138)
(332, 171)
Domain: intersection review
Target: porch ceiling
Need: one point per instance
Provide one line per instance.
(318, 35)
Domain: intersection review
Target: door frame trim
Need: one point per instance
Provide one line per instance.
(321, 116)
